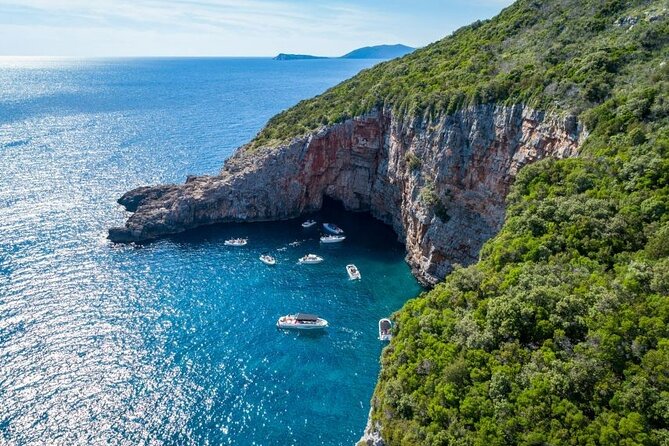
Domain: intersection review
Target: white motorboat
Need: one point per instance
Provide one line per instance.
(385, 329)
(333, 228)
(333, 238)
(353, 272)
(308, 223)
(268, 259)
(301, 321)
(310, 259)
(236, 242)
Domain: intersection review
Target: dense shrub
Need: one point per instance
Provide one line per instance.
(560, 333)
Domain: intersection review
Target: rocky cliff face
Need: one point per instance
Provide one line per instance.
(439, 183)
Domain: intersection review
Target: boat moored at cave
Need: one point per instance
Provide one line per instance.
(333, 238)
(236, 242)
(333, 228)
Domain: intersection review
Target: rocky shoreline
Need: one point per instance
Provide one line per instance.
(372, 434)
(441, 183)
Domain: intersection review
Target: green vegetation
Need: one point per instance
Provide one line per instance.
(413, 162)
(560, 334)
(430, 198)
(564, 55)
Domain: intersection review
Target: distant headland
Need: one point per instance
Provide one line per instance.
(368, 52)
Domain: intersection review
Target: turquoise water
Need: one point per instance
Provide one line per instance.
(172, 342)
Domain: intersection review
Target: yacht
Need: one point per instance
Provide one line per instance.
(385, 328)
(268, 259)
(333, 238)
(301, 321)
(236, 242)
(333, 228)
(353, 272)
(310, 259)
(308, 223)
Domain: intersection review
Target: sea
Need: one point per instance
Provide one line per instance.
(173, 342)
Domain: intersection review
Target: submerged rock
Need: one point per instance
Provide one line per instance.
(441, 183)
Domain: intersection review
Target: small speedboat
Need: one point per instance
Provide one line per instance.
(308, 223)
(333, 238)
(310, 259)
(353, 272)
(301, 321)
(385, 329)
(236, 242)
(333, 228)
(267, 259)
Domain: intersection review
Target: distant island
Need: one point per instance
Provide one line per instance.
(284, 56)
(368, 52)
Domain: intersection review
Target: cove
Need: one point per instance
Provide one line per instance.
(172, 342)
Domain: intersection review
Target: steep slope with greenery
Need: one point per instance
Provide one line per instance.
(559, 335)
(559, 55)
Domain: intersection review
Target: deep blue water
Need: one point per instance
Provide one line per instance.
(173, 342)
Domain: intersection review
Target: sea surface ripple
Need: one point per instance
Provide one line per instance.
(173, 342)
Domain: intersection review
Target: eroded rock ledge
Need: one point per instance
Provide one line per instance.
(441, 184)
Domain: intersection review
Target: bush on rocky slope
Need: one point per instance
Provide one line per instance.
(560, 334)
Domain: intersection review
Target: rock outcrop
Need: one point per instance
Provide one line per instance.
(440, 183)
(372, 435)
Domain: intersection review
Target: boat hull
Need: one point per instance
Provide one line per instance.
(300, 326)
(289, 323)
(234, 243)
(310, 261)
(332, 240)
(385, 329)
(353, 272)
(333, 228)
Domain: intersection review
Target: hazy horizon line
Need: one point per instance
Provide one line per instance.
(181, 57)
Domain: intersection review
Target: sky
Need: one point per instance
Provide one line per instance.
(120, 28)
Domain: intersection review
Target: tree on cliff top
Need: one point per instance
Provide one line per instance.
(559, 55)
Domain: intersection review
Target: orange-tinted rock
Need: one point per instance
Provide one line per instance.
(467, 160)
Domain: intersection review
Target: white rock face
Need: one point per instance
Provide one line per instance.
(440, 184)
(372, 434)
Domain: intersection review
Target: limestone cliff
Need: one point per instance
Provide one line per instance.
(440, 183)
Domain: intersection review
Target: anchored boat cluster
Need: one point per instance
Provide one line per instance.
(306, 321)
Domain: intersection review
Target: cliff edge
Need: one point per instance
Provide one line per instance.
(440, 184)
(562, 323)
